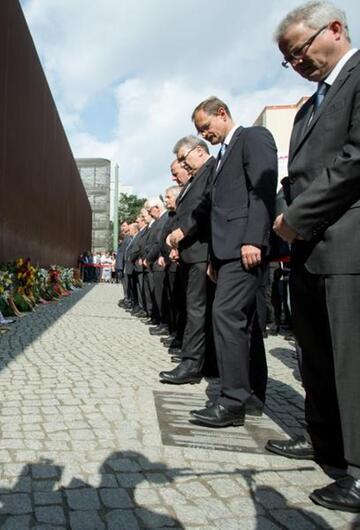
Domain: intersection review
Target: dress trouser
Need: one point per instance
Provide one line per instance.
(148, 288)
(194, 339)
(159, 298)
(326, 312)
(233, 314)
(140, 289)
(258, 364)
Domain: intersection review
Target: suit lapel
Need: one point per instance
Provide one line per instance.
(229, 148)
(303, 128)
(185, 190)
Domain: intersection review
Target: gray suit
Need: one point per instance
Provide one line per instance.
(323, 192)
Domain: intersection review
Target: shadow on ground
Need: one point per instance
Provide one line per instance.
(32, 325)
(37, 499)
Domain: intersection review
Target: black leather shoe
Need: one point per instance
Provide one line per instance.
(298, 448)
(159, 330)
(175, 359)
(180, 376)
(251, 409)
(343, 495)
(140, 313)
(174, 351)
(218, 416)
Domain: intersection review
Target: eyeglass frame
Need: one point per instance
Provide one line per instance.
(300, 52)
(183, 158)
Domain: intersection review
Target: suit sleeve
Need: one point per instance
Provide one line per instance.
(198, 220)
(260, 165)
(335, 189)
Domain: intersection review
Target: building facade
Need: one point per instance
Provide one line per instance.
(279, 120)
(95, 174)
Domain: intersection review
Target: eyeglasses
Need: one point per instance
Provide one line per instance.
(183, 158)
(300, 53)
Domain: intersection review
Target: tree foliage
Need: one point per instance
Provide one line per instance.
(129, 207)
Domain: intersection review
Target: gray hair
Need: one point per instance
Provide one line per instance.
(174, 190)
(154, 201)
(314, 14)
(190, 142)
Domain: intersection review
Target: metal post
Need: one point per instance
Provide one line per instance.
(116, 209)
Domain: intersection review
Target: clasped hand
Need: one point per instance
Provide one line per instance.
(283, 230)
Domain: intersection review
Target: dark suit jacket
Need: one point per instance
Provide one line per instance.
(136, 249)
(194, 247)
(167, 229)
(128, 264)
(324, 178)
(243, 193)
(153, 242)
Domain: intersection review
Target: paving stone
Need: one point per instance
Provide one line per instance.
(83, 499)
(294, 519)
(121, 519)
(115, 498)
(48, 497)
(214, 508)
(155, 519)
(17, 522)
(15, 503)
(86, 520)
(50, 514)
(189, 514)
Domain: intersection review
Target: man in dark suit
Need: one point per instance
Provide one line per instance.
(159, 214)
(193, 249)
(120, 262)
(135, 256)
(171, 267)
(241, 214)
(322, 223)
(129, 270)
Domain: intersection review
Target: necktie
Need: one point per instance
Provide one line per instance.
(320, 95)
(222, 151)
(221, 154)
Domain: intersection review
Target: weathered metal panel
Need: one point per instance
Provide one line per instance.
(44, 210)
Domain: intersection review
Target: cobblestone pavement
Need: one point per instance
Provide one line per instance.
(90, 439)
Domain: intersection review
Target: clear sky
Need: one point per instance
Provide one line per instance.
(126, 75)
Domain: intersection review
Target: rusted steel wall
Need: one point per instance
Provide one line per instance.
(44, 210)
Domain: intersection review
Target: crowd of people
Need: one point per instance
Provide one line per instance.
(197, 267)
(98, 267)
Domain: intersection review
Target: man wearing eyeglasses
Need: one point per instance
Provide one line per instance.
(241, 211)
(323, 225)
(193, 154)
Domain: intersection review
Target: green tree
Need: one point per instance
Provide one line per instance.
(129, 207)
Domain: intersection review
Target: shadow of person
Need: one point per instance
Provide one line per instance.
(114, 502)
(40, 480)
(290, 516)
(271, 505)
(290, 358)
(37, 499)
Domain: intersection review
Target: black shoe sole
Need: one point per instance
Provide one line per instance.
(208, 423)
(182, 381)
